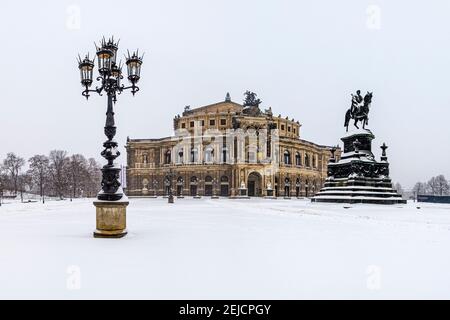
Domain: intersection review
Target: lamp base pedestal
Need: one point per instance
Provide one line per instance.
(111, 218)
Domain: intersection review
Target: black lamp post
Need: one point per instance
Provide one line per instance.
(170, 177)
(110, 76)
(214, 187)
(155, 186)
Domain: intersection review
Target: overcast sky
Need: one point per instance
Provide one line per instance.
(302, 58)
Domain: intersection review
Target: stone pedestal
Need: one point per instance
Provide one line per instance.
(357, 177)
(243, 192)
(111, 218)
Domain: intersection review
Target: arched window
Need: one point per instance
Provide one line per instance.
(194, 179)
(208, 179)
(287, 157)
(224, 154)
(209, 154)
(224, 179)
(314, 161)
(168, 157)
(180, 156)
(307, 160)
(194, 155)
(180, 180)
(287, 181)
(298, 159)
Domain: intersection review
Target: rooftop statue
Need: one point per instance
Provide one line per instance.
(251, 104)
(359, 109)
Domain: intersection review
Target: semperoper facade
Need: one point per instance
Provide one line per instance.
(228, 149)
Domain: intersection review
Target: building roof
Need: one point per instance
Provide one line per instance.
(223, 106)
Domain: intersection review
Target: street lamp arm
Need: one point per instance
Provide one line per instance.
(133, 88)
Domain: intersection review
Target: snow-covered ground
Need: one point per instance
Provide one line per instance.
(208, 249)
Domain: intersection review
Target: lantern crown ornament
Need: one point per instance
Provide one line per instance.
(110, 70)
(134, 62)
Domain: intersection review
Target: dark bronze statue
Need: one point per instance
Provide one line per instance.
(250, 99)
(251, 104)
(359, 110)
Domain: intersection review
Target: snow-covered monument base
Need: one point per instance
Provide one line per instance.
(357, 177)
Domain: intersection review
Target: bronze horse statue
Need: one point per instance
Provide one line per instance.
(359, 112)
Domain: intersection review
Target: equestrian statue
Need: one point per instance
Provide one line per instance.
(359, 109)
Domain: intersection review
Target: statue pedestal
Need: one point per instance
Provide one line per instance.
(242, 194)
(111, 218)
(357, 177)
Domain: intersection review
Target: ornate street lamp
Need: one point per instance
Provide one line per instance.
(170, 177)
(111, 204)
(155, 186)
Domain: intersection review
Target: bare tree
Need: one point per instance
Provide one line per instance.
(399, 188)
(39, 172)
(77, 168)
(24, 183)
(93, 178)
(58, 172)
(439, 186)
(12, 165)
(420, 188)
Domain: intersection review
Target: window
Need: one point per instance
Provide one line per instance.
(307, 160)
(167, 157)
(183, 125)
(212, 122)
(282, 127)
(202, 123)
(194, 154)
(289, 129)
(287, 157)
(180, 156)
(223, 122)
(314, 161)
(298, 159)
(294, 130)
(224, 154)
(191, 124)
(209, 154)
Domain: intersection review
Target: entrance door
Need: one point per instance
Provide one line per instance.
(251, 188)
(297, 191)
(224, 190)
(179, 190)
(208, 190)
(193, 190)
(254, 184)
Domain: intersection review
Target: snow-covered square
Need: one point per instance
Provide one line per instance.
(227, 249)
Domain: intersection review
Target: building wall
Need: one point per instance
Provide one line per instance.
(148, 165)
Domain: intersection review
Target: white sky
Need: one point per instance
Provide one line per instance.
(302, 58)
